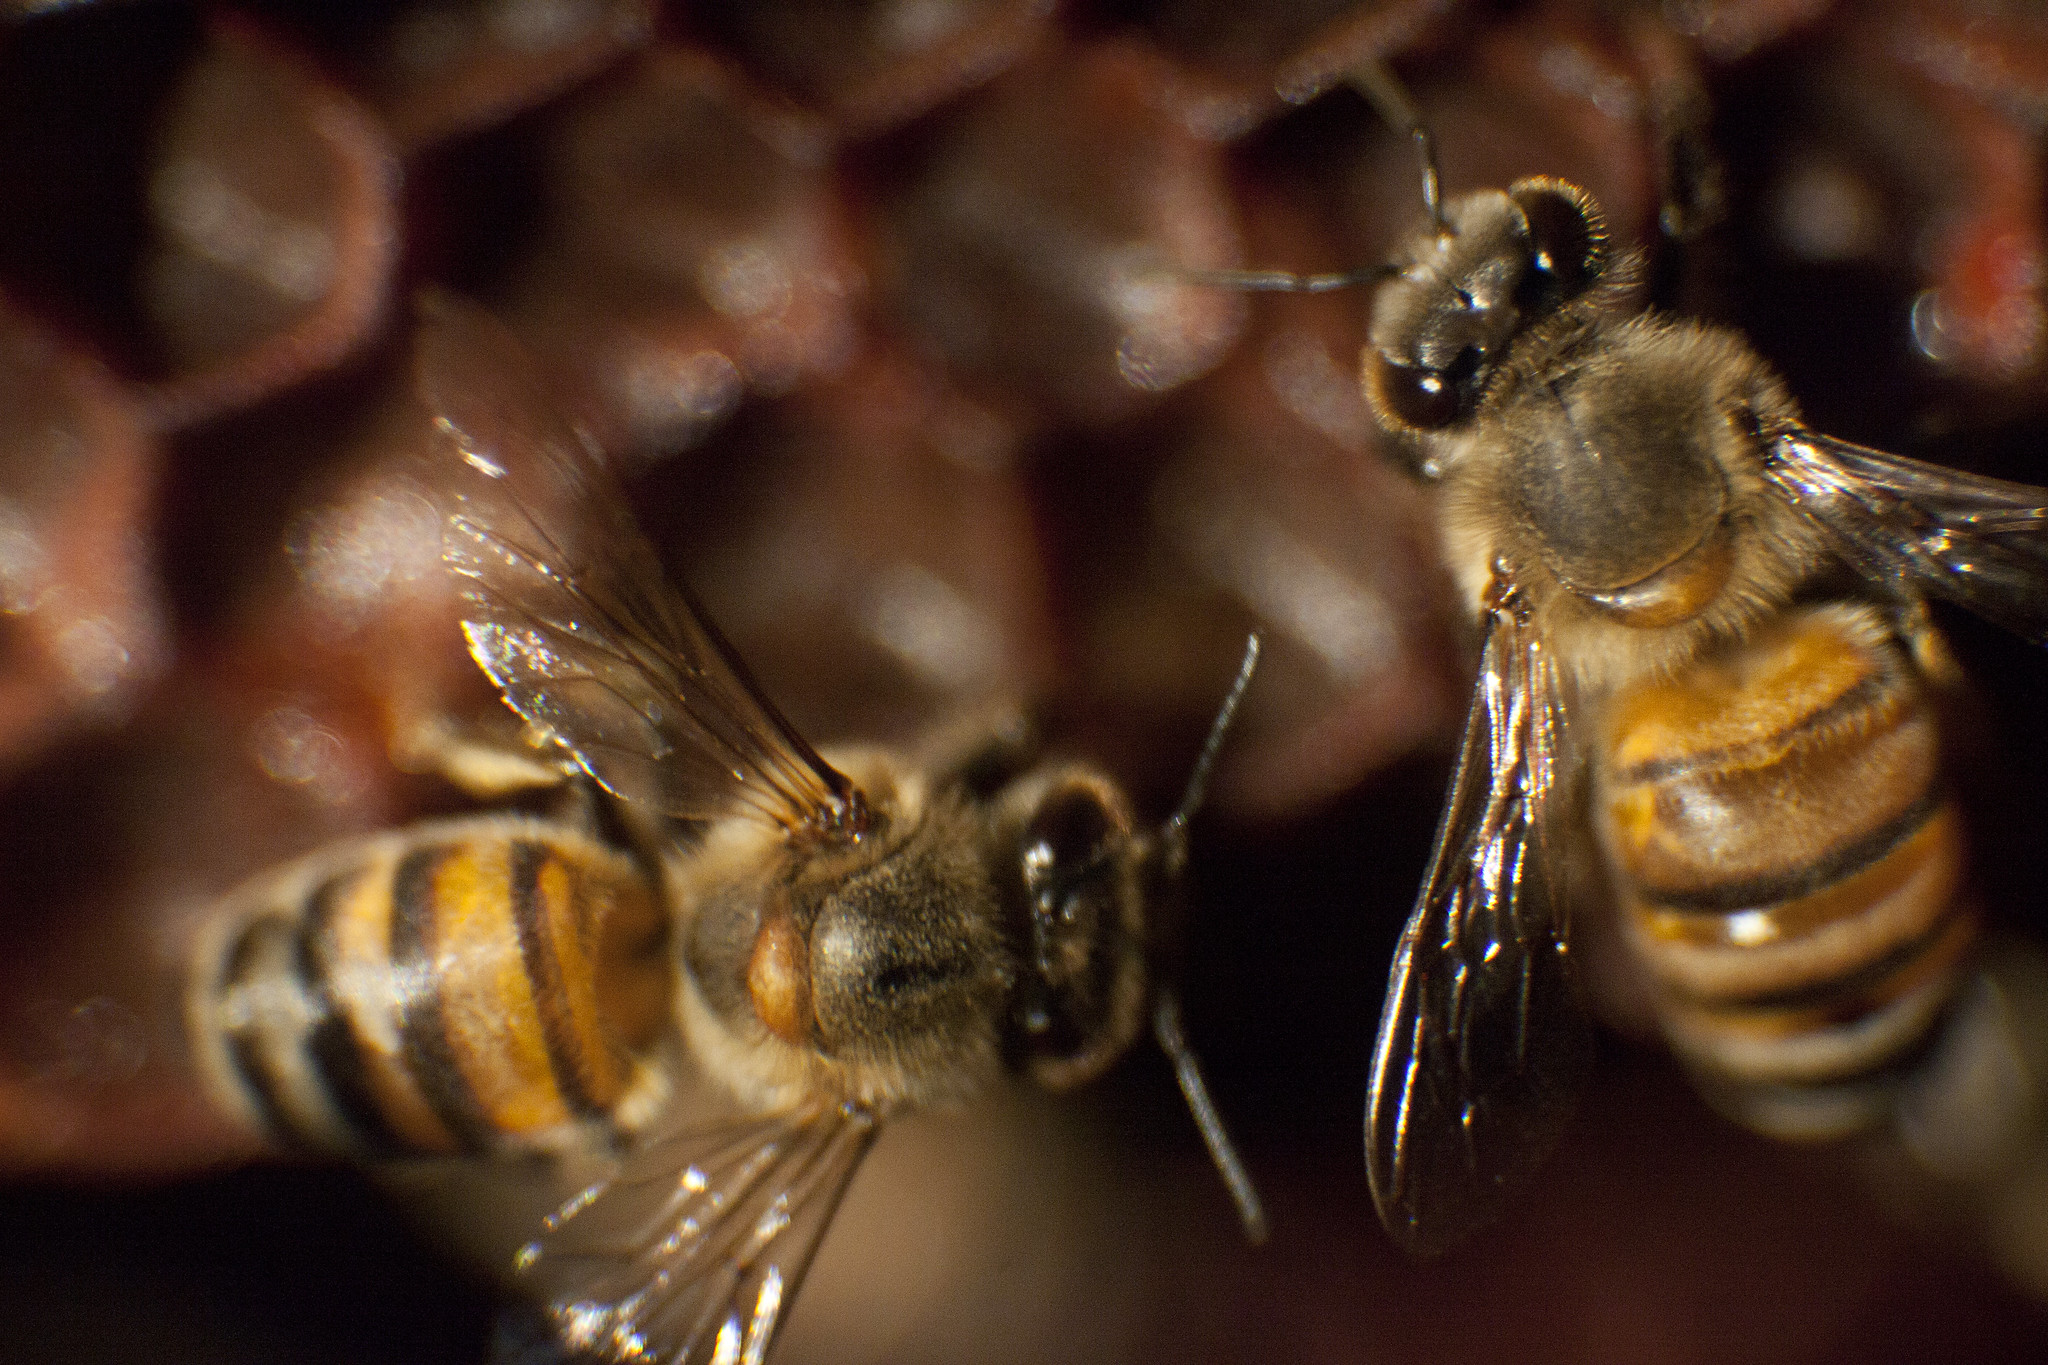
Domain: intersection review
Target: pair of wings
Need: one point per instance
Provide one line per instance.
(1482, 1041)
(691, 1252)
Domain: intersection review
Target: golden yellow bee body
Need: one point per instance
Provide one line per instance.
(1788, 866)
(481, 984)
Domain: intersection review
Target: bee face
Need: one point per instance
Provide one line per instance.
(1609, 466)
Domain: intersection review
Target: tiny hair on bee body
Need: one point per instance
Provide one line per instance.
(1706, 654)
(830, 937)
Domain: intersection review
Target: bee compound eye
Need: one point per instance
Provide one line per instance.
(1421, 398)
(1566, 242)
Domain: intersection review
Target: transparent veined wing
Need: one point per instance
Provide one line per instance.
(570, 614)
(691, 1254)
(1483, 1042)
(1922, 530)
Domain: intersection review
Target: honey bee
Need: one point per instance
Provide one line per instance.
(832, 938)
(1705, 636)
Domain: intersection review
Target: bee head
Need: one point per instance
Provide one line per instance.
(1100, 899)
(1080, 898)
(1463, 288)
(1094, 888)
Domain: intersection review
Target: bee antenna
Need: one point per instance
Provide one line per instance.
(1173, 838)
(1174, 1043)
(1175, 833)
(1379, 85)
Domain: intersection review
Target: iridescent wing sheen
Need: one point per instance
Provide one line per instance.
(1920, 530)
(1483, 1043)
(691, 1254)
(568, 610)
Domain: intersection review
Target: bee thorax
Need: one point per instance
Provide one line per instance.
(1626, 498)
(1616, 481)
(895, 964)
(871, 970)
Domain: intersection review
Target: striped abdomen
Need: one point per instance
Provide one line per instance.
(1788, 867)
(480, 984)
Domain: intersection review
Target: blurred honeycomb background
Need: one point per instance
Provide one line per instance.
(868, 300)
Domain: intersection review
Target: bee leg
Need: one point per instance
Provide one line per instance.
(1691, 189)
(576, 805)
(488, 767)
(1930, 651)
(500, 766)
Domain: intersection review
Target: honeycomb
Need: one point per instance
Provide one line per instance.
(881, 307)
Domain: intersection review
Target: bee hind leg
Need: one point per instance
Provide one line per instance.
(1929, 650)
(477, 759)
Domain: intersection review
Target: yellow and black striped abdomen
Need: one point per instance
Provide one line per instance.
(1788, 866)
(467, 985)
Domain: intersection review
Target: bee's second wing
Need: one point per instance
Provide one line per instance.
(569, 611)
(1921, 529)
(692, 1252)
(1483, 1042)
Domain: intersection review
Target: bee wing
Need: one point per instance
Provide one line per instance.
(569, 612)
(1482, 1041)
(1921, 529)
(694, 1250)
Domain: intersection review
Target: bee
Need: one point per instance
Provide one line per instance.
(1706, 637)
(831, 938)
